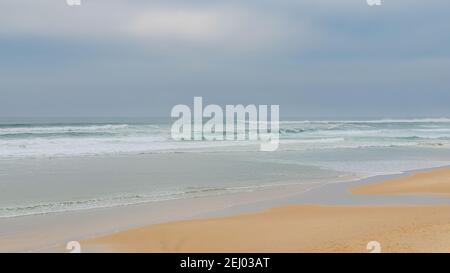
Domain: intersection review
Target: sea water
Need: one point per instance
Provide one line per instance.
(56, 165)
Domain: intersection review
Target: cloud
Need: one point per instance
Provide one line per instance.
(221, 27)
(214, 24)
(181, 24)
(146, 55)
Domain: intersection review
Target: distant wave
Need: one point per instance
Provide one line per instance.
(53, 140)
(423, 120)
(58, 129)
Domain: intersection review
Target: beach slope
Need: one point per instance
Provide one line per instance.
(435, 182)
(307, 228)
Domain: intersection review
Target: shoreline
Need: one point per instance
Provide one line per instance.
(19, 232)
(301, 227)
(97, 223)
(416, 183)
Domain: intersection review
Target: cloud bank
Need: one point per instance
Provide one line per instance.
(139, 58)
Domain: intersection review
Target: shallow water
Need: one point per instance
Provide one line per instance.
(59, 166)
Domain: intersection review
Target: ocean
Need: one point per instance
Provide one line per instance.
(57, 165)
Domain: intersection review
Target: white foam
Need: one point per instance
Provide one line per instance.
(423, 120)
(101, 139)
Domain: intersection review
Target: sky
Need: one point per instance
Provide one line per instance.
(139, 58)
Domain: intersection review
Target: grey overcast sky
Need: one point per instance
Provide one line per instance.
(315, 58)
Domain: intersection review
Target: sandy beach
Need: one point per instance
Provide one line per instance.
(307, 228)
(224, 126)
(436, 183)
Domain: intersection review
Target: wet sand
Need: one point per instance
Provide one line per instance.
(307, 228)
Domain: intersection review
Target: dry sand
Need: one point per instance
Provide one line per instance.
(307, 228)
(435, 182)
